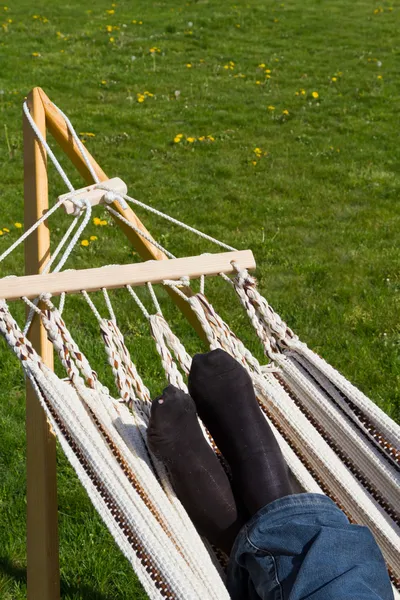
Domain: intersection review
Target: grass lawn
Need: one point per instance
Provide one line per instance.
(314, 86)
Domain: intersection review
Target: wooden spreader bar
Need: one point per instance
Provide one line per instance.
(117, 276)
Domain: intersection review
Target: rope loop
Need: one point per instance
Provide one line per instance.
(78, 206)
(110, 197)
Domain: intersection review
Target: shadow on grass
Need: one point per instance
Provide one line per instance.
(7, 567)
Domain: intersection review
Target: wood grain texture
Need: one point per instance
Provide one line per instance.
(117, 276)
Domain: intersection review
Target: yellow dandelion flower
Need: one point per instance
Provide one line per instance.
(93, 238)
(285, 112)
(238, 24)
(88, 134)
(262, 66)
(191, 140)
(103, 222)
(140, 22)
(268, 77)
(189, 65)
(35, 54)
(211, 138)
(232, 64)
(177, 139)
(254, 162)
(276, 20)
(6, 230)
(109, 28)
(103, 82)
(18, 225)
(202, 138)
(257, 151)
(334, 79)
(268, 70)
(85, 243)
(315, 95)
(141, 97)
(111, 11)
(226, 66)
(379, 77)
(303, 92)
(134, 21)
(5, 7)
(258, 82)
(149, 94)
(111, 40)
(271, 107)
(1, 233)
(96, 221)
(36, 17)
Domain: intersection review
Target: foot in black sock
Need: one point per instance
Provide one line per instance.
(175, 437)
(225, 401)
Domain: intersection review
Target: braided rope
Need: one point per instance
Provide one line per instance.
(182, 356)
(130, 385)
(172, 372)
(72, 358)
(277, 337)
(271, 329)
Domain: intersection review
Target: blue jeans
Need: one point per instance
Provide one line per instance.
(303, 547)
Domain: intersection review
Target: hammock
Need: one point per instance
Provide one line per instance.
(335, 440)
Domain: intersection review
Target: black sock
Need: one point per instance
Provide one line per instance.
(175, 437)
(226, 403)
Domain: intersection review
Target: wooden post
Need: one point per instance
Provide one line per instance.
(42, 528)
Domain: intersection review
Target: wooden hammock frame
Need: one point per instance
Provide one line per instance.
(43, 578)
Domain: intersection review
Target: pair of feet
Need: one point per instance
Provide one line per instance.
(222, 395)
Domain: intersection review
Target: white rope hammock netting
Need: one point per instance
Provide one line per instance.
(335, 440)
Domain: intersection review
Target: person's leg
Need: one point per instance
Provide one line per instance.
(295, 546)
(226, 403)
(175, 437)
(303, 547)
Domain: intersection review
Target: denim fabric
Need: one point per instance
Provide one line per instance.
(303, 547)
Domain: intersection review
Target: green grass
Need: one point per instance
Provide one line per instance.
(320, 209)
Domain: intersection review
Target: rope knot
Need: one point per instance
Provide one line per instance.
(78, 206)
(110, 197)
